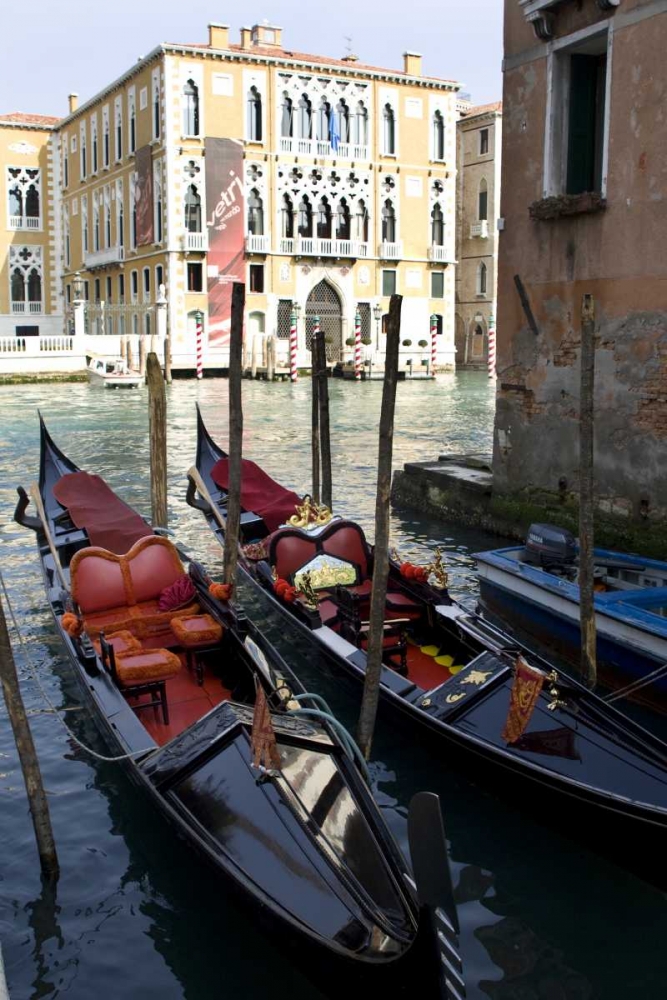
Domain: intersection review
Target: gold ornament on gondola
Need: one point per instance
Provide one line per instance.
(310, 514)
(307, 592)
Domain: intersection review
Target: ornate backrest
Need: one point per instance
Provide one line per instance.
(292, 548)
(102, 580)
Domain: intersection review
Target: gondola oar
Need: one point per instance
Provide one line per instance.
(438, 920)
(194, 477)
(36, 498)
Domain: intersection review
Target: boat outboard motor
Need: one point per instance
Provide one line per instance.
(548, 545)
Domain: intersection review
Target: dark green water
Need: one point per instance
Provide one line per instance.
(133, 915)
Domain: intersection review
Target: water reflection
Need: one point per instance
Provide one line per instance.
(133, 913)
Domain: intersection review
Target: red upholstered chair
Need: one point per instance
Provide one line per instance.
(196, 634)
(121, 642)
(352, 628)
(139, 672)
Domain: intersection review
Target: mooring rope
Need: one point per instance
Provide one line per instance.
(54, 709)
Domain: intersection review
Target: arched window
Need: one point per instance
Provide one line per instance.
(362, 221)
(438, 324)
(324, 219)
(133, 131)
(107, 225)
(437, 226)
(121, 226)
(190, 108)
(438, 136)
(192, 209)
(388, 223)
(343, 121)
(287, 217)
(18, 286)
(254, 115)
(255, 213)
(305, 117)
(287, 120)
(389, 129)
(34, 286)
(96, 227)
(156, 111)
(305, 220)
(481, 278)
(483, 212)
(15, 201)
(323, 120)
(343, 221)
(32, 202)
(361, 125)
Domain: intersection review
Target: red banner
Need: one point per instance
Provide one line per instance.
(143, 195)
(523, 698)
(226, 232)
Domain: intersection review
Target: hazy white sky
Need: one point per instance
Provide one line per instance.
(61, 45)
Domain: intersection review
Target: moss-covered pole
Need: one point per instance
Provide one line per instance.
(587, 491)
(371, 694)
(157, 430)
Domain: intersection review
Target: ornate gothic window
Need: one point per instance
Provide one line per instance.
(483, 201)
(343, 221)
(25, 269)
(120, 224)
(156, 105)
(438, 136)
(255, 213)
(389, 130)
(18, 286)
(96, 223)
(118, 124)
(287, 119)
(191, 109)
(157, 198)
(107, 219)
(437, 226)
(106, 153)
(83, 151)
(192, 209)
(32, 202)
(34, 286)
(93, 143)
(132, 116)
(343, 121)
(287, 217)
(305, 220)
(388, 222)
(23, 197)
(84, 222)
(361, 125)
(323, 120)
(305, 117)
(324, 219)
(481, 278)
(362, 221)
(16, 201)
(254, 115)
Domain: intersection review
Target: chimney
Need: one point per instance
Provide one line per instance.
(246, 34)
(350, 57)
(218, 36)
(73, 102)
(412, 63)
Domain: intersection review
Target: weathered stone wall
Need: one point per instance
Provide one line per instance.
(616, 254)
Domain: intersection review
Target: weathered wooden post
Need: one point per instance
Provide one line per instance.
(315, 410)
(129, 358)
(253, 356)
(39, 809)
(270, 358)
(157, 430)
(325, 433)
(167, 359)
(142, 354)
(235, 434)
(123, 346)
(587, 491)
(371, 694)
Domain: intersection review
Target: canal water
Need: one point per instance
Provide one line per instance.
(133, 915)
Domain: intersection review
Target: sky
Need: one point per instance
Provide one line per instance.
(66, 46)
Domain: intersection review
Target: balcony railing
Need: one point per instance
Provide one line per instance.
(195, 241)
(390, 251)
(25, 222)
(440, 254)
(322, 147)
(479, 229)
(100, 258)
(257, 244)
(310, 246)
(33, 346)
(27, 307)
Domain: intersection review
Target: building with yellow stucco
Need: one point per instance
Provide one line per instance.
(325, 184)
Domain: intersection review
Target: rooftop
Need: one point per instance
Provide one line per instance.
(21, 118)
(484, 109)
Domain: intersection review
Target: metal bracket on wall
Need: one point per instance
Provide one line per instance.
(532, 322)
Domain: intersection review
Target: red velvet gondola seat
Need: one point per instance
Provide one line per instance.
(141, 672)
(196, 634)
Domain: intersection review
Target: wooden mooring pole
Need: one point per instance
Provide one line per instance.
(586, 492)
(371, 694)
(315, 410)
(157, 430)
(167, 360)
(325, 433)
(235, 433)
(32, 776)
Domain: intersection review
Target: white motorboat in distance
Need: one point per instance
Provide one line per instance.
(113, 373)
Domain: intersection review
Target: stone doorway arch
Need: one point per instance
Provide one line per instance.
(325, 302)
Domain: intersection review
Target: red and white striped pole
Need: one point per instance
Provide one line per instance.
(492, 346)
(293, 373)
(434, 342)
(200, 337)
(357, 346)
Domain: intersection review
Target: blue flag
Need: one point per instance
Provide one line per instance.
(334, 135)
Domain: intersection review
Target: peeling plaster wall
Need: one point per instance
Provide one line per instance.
(618, 255)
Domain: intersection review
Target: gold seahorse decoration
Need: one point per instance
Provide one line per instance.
(309, 514)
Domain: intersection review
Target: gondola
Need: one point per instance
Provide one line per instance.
(580, 766)
(250, 770)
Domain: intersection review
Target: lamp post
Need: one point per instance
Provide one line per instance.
(199, 316)
(377, 313)
(78, 306)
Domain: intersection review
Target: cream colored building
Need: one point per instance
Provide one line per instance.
(479, 148)
(349, 194)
